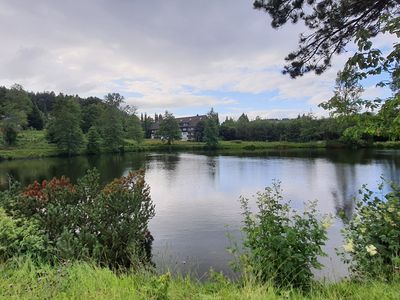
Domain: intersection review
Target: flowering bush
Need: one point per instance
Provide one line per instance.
(372, 235)
(282, 245)
(85, 221)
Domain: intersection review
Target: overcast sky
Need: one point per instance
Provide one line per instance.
(182, 55)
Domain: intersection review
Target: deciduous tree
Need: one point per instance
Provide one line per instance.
(169, 128)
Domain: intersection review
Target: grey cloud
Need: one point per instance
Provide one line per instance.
(84, 46)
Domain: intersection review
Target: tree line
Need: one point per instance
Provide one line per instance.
(71, 121)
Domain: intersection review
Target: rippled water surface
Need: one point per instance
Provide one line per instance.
(196, 195)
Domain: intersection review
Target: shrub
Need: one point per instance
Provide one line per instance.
(20, 237)
(84, 221)
(281, 245)
(372, 235)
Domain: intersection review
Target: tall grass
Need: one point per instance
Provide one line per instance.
(23, 279)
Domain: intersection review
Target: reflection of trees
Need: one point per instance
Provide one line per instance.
(343, 197)
(212, 165)
(110, 166)
(27, 171)
(169, 161)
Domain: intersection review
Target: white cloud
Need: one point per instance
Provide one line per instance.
(154, 48)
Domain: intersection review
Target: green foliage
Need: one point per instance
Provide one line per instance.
(387, 123)
(282, 246)
(23, 279)
(133, 128)
(112, 128)
(14, 108)
(211, 130)
(346, 100)
(35, 118)
(94, 141)
(169, 128)
(64, 129)
(85, 221)
(372, 234)
(331, 26)
(20, 237)
(91, 116)
(10, 134)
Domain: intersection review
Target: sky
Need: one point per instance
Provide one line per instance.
(184, 56)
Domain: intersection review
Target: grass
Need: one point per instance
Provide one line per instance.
(33, 144)
(24, 280)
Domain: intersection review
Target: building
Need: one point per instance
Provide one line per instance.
(188, 125)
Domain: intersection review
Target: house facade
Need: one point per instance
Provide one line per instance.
(188, 126)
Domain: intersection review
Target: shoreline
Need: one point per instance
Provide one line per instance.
(33, 145)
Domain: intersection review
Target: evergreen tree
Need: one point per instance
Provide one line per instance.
(331, 26)
(35, 118)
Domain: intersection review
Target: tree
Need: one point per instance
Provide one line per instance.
(94, 141)
(347, 96)
(65, 129)
(242, 129)
(211, 130)
(14, 108)
(169, 128)
(91, 114)
(199, 131)
(332, 25)
(35, 118)
(114, 99)
(228, 129)
(134, 128)
(111, 120)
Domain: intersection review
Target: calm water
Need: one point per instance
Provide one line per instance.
(196, 195)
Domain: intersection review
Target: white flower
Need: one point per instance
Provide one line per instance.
(371, 249)
(327, 222)
(363, 229)
(391, 209)
(349, 247)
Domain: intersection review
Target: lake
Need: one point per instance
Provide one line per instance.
(197, 194)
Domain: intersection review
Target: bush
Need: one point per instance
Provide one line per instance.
(373, 235)
(19, 237)
(281, 245)
(84, 221)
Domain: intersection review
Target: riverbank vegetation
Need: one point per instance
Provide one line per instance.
(23, 279)
(73, 125)
(33, 144)
(84, 240)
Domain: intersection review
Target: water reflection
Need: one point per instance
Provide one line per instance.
(196, 195)
(344, 192)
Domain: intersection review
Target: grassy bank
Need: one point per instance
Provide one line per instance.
(33, 144)
(24, 280)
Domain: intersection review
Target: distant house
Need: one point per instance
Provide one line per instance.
(188, 125)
